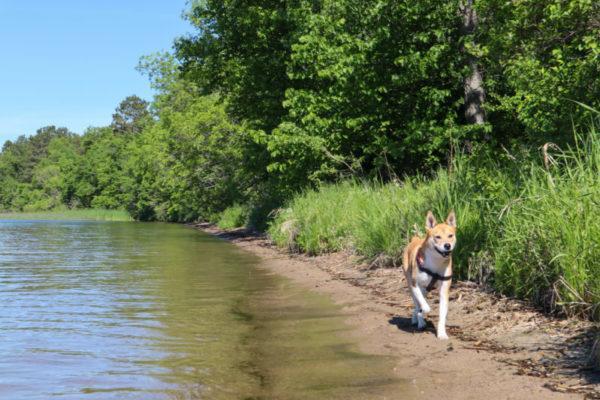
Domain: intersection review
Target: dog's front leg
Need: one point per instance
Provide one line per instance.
(444, 294)
(414, 320)
(421, 304)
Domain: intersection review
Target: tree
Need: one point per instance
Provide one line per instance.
(333, 83)
(375, 87)
(242, 52)
(102, 181)
(474, 91)
(131, 116)
(539, 56)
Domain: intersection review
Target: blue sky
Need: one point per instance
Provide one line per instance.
(70, 62)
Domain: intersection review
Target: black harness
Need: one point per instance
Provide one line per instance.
(434, 276)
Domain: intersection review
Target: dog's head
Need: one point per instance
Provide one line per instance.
(442, 237)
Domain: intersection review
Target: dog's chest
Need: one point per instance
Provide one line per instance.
(424, 279)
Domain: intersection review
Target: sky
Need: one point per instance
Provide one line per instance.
(70, 62)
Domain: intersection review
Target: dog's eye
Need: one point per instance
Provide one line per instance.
(450, 236)
(438, 237)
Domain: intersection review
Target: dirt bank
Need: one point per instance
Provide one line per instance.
(499, 348)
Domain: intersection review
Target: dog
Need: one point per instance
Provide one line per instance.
(427, 264)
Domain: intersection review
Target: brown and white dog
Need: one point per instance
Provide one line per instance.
(427, 264)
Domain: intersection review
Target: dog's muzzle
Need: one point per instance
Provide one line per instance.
(444, 254)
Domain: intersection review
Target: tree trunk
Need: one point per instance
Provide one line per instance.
(474, 91)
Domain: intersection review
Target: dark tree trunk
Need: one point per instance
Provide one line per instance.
(474, 91)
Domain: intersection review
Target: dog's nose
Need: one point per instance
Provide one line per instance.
(447, 246)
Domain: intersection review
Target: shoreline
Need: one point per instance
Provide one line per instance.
(76, 214)
(498, 348)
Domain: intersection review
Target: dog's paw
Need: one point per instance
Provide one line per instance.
(413, 320)
(421, 324)
(442, 336)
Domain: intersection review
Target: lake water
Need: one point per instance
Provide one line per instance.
(92, 310)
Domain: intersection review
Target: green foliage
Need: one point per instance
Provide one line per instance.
(333, 83)
(204, 146)
(190, 164)
(548, 251)
(538, 55)
(64, 214)
(131, 116)
(27, 176)
(102, 179)
(527, 229)
(242, 50)
(372, 83)
(371, 87)
(368, 218)
(235, 216)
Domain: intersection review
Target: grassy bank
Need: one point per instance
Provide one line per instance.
(232, 217)
(69, 215)
(528, 225)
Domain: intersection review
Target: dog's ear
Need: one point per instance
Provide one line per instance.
(430, 221)
(451, 219)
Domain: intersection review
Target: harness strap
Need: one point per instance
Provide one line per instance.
(434, 276)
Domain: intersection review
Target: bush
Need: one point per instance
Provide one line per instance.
(233, 217)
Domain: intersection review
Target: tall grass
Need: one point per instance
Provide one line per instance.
(549, 250)
(232, 217)
(528, 228)
(69, 215)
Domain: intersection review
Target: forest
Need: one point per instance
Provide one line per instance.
(336, 125)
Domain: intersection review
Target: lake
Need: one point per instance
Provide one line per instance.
(123, 310)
